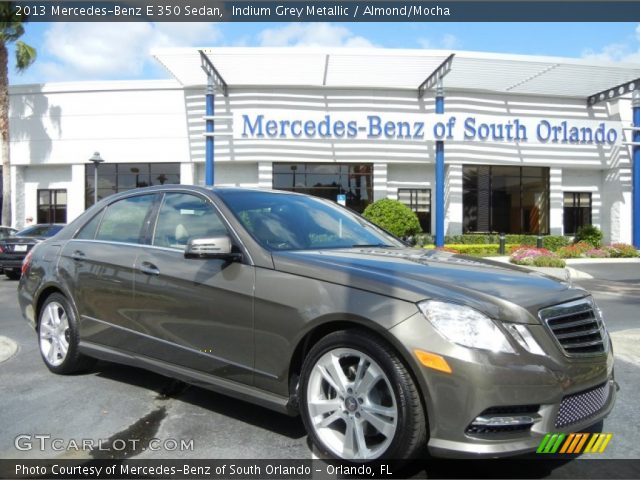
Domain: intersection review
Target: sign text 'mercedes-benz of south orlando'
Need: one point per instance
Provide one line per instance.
(371, 126)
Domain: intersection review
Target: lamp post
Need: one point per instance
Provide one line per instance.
(97, 160)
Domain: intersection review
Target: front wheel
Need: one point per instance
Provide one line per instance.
(58, 336)
(359, 402)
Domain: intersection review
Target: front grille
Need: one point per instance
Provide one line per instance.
(580, 406)
(576, 326)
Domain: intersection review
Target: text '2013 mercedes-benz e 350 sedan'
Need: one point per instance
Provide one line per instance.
(299, 305)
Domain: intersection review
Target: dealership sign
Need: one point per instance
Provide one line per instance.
(291, 125)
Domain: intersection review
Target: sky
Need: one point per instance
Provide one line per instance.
(120, 51)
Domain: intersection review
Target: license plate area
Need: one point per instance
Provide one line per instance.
(20, 248)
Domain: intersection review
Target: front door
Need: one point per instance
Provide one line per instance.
(199, 311)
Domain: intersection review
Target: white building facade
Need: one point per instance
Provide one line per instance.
(524, 153)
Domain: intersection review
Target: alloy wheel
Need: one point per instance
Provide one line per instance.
(351, 404)
(54, 334)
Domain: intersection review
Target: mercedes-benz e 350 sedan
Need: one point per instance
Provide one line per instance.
(299, 305)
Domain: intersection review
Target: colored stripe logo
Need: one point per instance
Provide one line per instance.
(574, 443)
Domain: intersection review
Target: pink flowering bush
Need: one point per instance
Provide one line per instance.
(536, 257)
(597, 253)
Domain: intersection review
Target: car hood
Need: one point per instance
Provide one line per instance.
(417, 274)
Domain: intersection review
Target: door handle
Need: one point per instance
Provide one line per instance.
(78, 255)
(149, 268)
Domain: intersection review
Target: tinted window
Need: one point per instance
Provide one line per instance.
(40, 231)
(88, 232)
(295, 222)
(183, 216)
(124, 221)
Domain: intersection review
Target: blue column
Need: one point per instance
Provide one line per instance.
(208, 154)
(439, 241)
(636, 171)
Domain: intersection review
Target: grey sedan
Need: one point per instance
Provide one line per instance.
(299, 305)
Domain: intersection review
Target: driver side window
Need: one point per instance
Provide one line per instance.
(184, 216)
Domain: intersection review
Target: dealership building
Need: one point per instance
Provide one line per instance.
(473, 142)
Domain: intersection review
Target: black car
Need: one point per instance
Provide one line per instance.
(14, 249)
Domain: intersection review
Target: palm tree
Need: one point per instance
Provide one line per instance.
(11, 29)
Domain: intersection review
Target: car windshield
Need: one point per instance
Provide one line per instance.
(281, 221)
(39, 231)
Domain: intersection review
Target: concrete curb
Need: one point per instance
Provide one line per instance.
(586, 261)
(8, 348)
(625, 345)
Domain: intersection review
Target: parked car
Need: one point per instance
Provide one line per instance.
(299, 305)
(13, 249)
(7, 231)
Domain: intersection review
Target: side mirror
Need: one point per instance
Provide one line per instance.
(211, 247)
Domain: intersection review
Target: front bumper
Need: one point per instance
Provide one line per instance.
(482, 380)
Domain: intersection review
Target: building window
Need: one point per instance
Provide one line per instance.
(499, 199)
(418, 200)
(353, 180)
(52, 206)
(120, 177)
(577, 211)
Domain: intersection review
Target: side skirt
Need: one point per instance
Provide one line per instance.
(232, 389)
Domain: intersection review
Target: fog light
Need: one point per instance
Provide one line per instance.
(502, 421)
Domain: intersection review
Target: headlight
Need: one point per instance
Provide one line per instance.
(465, 326)
(523, 336)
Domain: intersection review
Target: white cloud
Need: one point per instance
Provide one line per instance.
(628, 51)
(447, 42)
(80, 51)
(312, 35)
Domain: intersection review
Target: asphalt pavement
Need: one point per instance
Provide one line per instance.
(112, 403)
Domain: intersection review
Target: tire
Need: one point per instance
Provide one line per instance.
(371, 410)
(13, 274)
(58, 337)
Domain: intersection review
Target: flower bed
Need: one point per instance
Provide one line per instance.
(536, 257)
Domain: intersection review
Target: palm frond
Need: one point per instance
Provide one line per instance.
(25, 56)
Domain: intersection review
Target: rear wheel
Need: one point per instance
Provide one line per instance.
(359, 402)
(58, 336)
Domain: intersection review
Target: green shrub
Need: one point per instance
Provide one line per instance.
(393, 216)
(423, 239)
(554, 242)
(530, 240)
(590, 234)
(479, 250)
(549, 262)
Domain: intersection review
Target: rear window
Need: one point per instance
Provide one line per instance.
(40, 231)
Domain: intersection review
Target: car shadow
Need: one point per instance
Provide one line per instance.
(167, 388)
(522, 466)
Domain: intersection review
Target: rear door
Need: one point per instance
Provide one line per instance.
(198, 311)
(98, 266)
